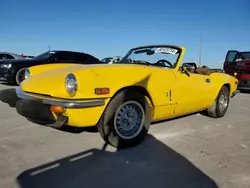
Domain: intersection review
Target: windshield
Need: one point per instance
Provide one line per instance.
(246, 55)
(44, 55)
(164, 56)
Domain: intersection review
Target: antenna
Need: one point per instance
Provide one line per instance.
(49, 48)
(200, 51)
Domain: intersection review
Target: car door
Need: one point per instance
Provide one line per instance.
(230, 63)
(162, 88)
(193, 92)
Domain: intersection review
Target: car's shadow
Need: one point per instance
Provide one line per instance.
(9, 96)
(151, 164)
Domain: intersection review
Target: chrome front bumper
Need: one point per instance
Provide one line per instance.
(235, 92)
(37, 112)
(61, 102)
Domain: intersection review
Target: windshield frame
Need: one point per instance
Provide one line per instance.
(153, 46)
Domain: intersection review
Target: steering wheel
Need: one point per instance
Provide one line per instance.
(162, 63)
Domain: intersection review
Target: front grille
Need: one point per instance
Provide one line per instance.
(245, 83)
(3, 70)
(245, 71)
(242, 71)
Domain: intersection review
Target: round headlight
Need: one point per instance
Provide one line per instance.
(26, 73)
(71, 84)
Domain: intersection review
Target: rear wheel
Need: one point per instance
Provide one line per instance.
(126, 120)
(220, 105)
(20, 76)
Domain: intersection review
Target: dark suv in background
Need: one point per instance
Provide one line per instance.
(238, 64)
(12, 70)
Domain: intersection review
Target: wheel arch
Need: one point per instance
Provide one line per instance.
(104, 125)
(228, 86)
(137, 89)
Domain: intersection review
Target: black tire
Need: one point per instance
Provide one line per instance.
(18, 76)
(215, 110)
(106, 125)
(37, 121)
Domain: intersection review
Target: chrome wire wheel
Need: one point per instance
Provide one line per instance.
(223, 103)
(129, 120)
(20, 76)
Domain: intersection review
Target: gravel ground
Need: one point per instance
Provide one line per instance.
(189, 152)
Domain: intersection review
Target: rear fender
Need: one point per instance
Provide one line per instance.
(221, 79)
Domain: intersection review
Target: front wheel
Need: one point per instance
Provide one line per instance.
(20, 76)
(126, 120)
(220, 105)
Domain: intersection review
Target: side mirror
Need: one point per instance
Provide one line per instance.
(188, 67)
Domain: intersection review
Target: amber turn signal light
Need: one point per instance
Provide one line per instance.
(57, 109)
(101, 91)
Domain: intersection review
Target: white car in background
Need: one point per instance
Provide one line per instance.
(111, 60)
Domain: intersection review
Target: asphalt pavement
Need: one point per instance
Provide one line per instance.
(189, 152)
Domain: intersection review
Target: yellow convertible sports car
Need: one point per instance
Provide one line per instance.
(148, 84)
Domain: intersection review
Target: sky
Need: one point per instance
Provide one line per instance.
(111, 27)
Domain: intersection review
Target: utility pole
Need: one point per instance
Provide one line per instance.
(200, 51)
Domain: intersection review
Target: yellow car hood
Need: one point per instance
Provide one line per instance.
(51, 82)
(113, 76)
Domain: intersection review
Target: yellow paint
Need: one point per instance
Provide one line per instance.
(84, 117)
(48, 67)
(188, 93)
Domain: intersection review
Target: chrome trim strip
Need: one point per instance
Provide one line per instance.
(61, 120)
(62, 102)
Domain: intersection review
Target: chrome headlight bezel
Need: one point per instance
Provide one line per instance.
(26, 73)
(71, 84)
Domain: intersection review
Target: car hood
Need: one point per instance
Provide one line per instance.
(51, 82)
(89, 77)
